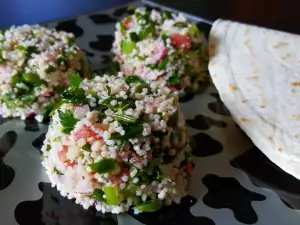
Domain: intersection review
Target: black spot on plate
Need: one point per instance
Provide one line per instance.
(38, 143)
(267, 174)
(7, 173)
(205, 28)
(70, 26)
(31, 124)
(102, 18)
(36, 212)
(89, 54)
(176, 214)
(121, 12)
(104, 43)
(186, 97)
(204, 145)
(218, 107)
(227, 192)
(202, 122)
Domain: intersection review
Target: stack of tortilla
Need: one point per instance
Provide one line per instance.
(257, 73)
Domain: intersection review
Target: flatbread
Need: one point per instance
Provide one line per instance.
(257, 74)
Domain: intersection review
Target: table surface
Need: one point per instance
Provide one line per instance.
(278, 14)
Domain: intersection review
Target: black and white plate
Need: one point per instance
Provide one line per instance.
(219, 193)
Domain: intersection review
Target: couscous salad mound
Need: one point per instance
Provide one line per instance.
(35, 63)
(117, 143)
(162, 47)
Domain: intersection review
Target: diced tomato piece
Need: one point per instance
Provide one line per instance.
(189, 167)
(149, 154)
(117, 178)
(62, 154)
(69, 163)
(181, 41)
(84, 132)
(127, 23)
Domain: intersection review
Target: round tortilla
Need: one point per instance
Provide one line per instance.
(257, 74)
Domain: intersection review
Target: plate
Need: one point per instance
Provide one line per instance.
(219, 192)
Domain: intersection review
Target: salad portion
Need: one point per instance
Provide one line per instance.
(162, 47)
(116, 142)
(35, 65)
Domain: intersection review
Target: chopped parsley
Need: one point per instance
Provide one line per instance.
(133, 79)
(104, 166)
(98, 195)
(131, 131)
(75, 80)
(74, 95)
(50, 69)
(174, 79)
(87, 147)
(48, 148)
(67, 120)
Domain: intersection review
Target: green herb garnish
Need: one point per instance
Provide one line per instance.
(70, 40)
(57, 171)
(98, 195)
(174, 79)
(67, 120)
(131, 131)
(180, 24)
(144, 33)
(122, 118)
(32, 79)
(57, 139)
(167, 14)
(74, 95)
(112, 195)
(125, 103)
(104, 166)
(133, 79)
(75, 80)
(50, 69)
(87, 147)
(140, 88)
(122, 27)
(134, 37)
(163, 64)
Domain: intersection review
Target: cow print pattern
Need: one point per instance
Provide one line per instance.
(201, 206)
(62, 211)
(204, 145)
(7, 173)
(104, 43)
(202, 122)
(70, 26)
(176, 214)
(226, 192)
(218, 107)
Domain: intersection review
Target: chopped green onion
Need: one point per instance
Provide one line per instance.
(150, 206)
(67, 121)
(125, 118)
(48, 148)
(98, 195)
(174, 79)
(57, 171)
(75, 80)
(16, 79)
(134, 37)
(57, 139)
(128, 47)
(70, 40)
(122, 27)
(180, 25)
(125, 103)
(133, 79)
(87, 147)
(55, 106)
(104, 166)
(112, 195)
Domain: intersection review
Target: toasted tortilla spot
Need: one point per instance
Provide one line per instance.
(244, 101)
(254, 78)
(280, 149)
(262, 106)
(244, 120)
(270, 139)
(212, 63)
(296, 84)
(297, 136)
(246, 32)
(232, 87)
(296, 117)
(280, 44)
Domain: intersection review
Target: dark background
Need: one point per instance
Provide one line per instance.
(278, 14)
